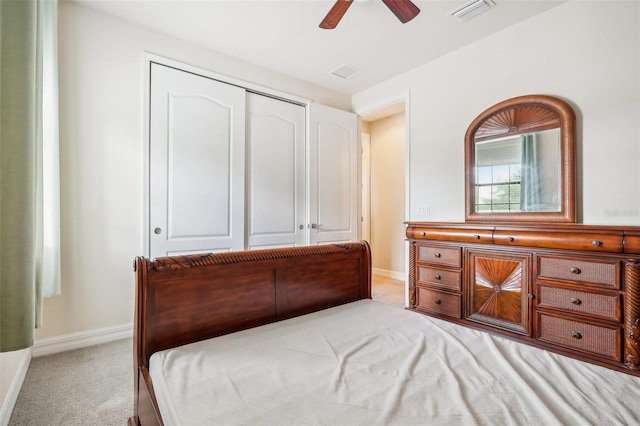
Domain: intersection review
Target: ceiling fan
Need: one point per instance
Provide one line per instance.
(405, 10)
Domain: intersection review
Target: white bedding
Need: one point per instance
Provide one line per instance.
(368, 363)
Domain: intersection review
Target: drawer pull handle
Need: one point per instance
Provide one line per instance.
(438, 277)
(423, 234)
(576, 301)
(511, 239)
(574, 270)
(438, 255)
(438, 301)
(576, 335)
(476, 236)
(596, 243)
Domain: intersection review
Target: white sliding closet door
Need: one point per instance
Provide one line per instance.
(196, 164)
(334, 188)
(276, 196)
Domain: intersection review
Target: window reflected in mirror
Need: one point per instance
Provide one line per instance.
(518, 173)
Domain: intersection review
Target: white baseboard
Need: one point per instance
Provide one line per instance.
(389, 274)
(14, 389)
(82, 339)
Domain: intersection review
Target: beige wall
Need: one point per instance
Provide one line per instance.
(387, 192)
(102, 158)
(587, 53)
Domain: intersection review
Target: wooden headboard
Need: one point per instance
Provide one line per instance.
(184, 299)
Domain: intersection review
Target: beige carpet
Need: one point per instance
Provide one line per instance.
(89, 386)
(387, 290)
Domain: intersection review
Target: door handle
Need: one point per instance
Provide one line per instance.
(316, 226)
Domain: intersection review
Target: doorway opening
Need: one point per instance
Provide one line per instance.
(384, 177)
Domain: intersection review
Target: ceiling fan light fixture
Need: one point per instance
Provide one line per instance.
(471, 9)
(346, 71)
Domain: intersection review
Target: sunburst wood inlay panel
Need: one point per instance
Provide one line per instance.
(498, 289)
(516, 121)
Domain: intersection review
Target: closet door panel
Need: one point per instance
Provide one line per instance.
(196, 166)
(198, 151)
(334, 185)
(276, 195)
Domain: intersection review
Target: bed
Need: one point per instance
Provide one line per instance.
(292, 337)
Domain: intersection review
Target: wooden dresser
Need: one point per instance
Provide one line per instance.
(569, 288)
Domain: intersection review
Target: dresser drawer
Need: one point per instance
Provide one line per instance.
(439, 302)
(610, 242)
(452, 234)
(440, 277)
(440, 255)
(606, 306)
(598, 340)
(632, 243)
(604, 272)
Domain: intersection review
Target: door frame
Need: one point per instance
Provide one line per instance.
(402, 97)
(147, 60)
(365, 205)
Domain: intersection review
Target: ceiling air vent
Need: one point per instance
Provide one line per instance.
(346, 71)
(471, 9)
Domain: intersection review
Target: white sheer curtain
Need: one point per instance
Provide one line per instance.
(529, 182)
(48, 191)
(29, 183)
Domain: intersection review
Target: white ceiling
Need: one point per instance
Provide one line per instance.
(284, 35)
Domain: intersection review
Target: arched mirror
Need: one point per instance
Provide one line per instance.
(519, 162)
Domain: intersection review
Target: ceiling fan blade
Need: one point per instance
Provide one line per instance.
(405, 10)
(335, 14)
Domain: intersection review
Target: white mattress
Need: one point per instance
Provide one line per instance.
(367, 363)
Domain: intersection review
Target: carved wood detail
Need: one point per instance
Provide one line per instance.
(412, 275)
(632, 315)
(172, 263)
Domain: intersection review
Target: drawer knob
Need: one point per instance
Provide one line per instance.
(476, 236)
(574, 270)
(423, 233)
(596, 243)
(576, 335)
(576, 301)
(438, 301)
(438, 277)
(511, 239)
(438, 255)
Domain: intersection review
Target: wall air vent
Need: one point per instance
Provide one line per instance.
(346, 71)
(471, 9)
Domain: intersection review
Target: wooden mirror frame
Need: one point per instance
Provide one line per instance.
(525, 114)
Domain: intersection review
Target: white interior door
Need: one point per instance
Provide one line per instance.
(196, 164)
(276, 196)
(334, 184)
